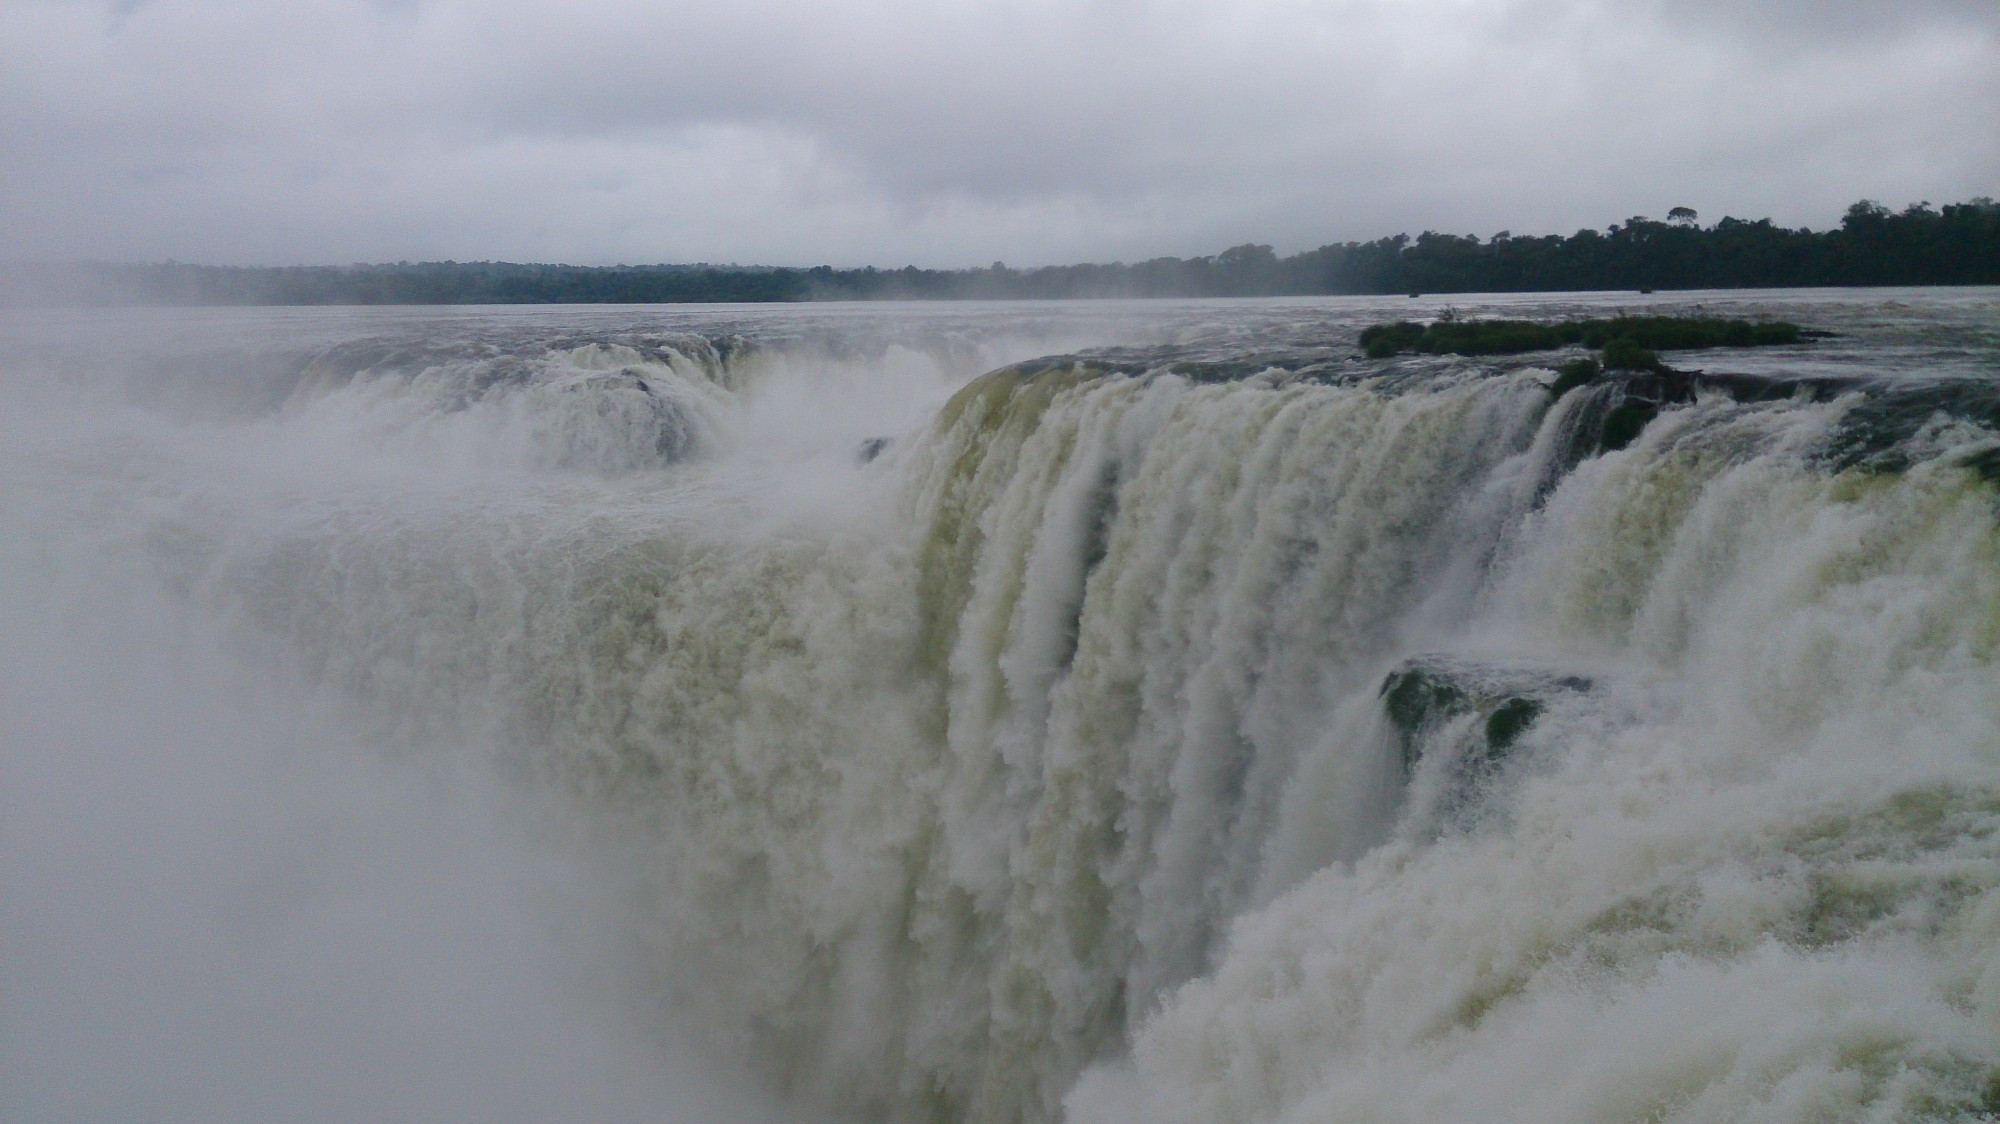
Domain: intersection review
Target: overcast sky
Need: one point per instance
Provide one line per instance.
(957, 132)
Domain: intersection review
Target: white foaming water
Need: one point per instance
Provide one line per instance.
(1044, 764)
(221, 901)
(593, 408)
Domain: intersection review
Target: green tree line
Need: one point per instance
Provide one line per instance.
(1958, 244)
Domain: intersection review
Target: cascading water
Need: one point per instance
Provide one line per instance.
(1226, 728)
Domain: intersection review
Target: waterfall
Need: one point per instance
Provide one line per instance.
(1187, 733)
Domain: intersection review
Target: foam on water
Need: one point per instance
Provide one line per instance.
(1042, 765)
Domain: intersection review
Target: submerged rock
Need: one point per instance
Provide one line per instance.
(1875, 436)
(1456, 720)
(1621, 408)
(1424, 693)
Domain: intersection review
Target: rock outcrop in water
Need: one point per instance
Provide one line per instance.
(1470, 712)
(1424, 693)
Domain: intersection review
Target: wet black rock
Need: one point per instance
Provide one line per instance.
(1428, 697)
(1875, 436)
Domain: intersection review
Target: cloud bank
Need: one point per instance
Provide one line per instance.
(956, 132)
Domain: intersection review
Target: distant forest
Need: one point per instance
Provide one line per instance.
(1873, 245)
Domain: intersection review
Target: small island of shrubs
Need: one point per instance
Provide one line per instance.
(1627, 342)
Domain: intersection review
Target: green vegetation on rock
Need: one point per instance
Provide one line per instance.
(1628, 341)
(1451, 336)
(1623, 353)
(1575, 373)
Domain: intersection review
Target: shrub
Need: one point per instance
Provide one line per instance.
(1449, 335)
(1624, 354)
(1575, 373)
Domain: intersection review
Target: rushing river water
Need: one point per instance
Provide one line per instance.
(735, 714)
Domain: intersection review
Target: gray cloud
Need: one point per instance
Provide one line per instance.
(957, 131)
(1813, 23)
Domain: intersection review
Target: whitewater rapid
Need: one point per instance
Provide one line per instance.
(1202, 724)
